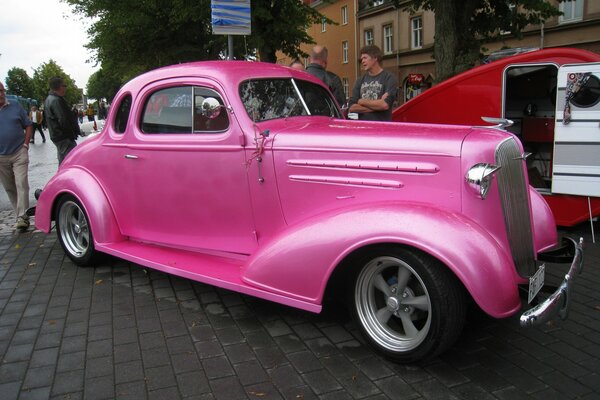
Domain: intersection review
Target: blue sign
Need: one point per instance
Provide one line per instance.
(230, 17)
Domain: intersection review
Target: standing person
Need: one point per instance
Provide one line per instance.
(90, 113)
(375, 92)
(62, 125)
(37, 118)
(14, 156)
(318, 67)
(102, 110)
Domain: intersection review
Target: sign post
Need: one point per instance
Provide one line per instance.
(230, 17)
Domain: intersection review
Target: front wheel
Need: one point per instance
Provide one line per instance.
(409, 306)
(74, 233)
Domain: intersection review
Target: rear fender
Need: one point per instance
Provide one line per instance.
(300, 260)
(81, 185)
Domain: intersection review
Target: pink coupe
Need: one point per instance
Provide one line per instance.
(246, 176)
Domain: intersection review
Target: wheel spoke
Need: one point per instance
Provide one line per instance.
(383, 315)
(382, 285)
(410, 329)
(403, 277)
(419, 302)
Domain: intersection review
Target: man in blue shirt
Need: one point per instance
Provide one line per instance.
(16, 130)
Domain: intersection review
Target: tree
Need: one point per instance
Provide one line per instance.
(42, 75)
(130, 37)
(102, 85)
(462, 26)
(19, 83)
(282, 26)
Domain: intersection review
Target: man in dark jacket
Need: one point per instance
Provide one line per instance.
(62, 124)
(318, 68)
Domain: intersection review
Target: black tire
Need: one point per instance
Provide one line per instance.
(412, 323)
(74, 232)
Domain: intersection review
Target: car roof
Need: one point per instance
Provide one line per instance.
(231, 72)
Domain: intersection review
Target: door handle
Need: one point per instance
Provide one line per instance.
(131, 157)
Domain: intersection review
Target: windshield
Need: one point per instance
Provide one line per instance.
(267, 99)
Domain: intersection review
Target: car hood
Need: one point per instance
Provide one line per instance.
(348, 135)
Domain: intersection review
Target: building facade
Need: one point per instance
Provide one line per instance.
(407, 38)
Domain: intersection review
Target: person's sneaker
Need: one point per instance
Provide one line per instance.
(22, 223)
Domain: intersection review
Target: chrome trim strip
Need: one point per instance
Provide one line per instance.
(559, 302)
(341, 180)
(428, 168)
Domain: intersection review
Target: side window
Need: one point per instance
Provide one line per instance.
(206, 121)
(168, 111)
(122, 116)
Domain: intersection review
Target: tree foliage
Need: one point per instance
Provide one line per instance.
(19, 83)
(102, 85)
(42, 75)
(463, 26)
(282, 26)
(130, 37)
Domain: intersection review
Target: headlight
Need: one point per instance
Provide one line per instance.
(479, 177)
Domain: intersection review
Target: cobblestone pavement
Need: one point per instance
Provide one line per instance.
(120, 331)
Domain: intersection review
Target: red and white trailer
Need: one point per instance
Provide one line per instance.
(553, 98)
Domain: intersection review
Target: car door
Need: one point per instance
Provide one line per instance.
(576, 164)
(183, 173)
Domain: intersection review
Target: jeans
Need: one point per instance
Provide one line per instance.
(14, 178)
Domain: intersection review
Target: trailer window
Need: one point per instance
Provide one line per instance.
(589, 94)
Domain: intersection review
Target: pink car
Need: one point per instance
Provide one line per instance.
(247, 177)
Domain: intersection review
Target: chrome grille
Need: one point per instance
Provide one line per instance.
(515, 204)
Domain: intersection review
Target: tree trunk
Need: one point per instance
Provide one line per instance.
(455, 48)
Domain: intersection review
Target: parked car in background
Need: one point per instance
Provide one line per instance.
(245, 176)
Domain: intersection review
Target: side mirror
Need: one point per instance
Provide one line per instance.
(211, 108)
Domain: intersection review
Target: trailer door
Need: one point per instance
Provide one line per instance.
(576, 163)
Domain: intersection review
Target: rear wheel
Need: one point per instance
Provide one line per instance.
(409, 306)
(74, 232)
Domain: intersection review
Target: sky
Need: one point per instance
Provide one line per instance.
(36, 31)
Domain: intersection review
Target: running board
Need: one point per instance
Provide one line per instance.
(215, 270)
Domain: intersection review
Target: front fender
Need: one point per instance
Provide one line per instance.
(299, 261)
(81, 185)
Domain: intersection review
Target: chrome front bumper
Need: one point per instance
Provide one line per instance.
(559, 302)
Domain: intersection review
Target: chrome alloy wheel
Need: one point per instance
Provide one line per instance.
(393, 304)
(74, 229)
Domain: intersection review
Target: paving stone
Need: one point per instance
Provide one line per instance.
(42, 393)
(321, 382)
(39, 377)
(160, 377)
(217, 367)
(13, 372)
(99, 388)
(227, 388)
(192, 384)
(250, 372)
(129, 371)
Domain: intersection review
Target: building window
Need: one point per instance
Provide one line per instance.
(416, 32)
(387, 39)
(345, 51)
(346, 86)
(572, 10)
(323, 25)
(345, 15)
(369, 38)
